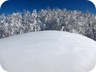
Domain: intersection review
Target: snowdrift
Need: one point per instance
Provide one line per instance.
(48, 51)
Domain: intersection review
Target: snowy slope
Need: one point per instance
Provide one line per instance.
(94, 69)
(48, 51)
(2, 70)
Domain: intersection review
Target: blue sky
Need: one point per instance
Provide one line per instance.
(19, 5)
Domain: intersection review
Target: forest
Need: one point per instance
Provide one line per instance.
(48, 19)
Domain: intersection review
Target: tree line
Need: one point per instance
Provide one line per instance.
(48, 19)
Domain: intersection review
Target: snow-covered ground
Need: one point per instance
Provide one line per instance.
(94, 69)
(2, 70)
(47, 51)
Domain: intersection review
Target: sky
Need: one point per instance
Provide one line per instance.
(19, 5)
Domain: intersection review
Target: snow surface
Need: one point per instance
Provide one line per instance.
(2, 70)
(47, 51)
(93, 70)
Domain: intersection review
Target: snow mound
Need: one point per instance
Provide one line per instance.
(48, 51)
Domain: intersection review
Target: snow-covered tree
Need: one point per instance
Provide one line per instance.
(48, 19)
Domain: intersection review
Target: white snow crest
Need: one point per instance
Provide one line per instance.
(48, 51)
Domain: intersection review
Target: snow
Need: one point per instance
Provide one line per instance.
(48, 51)
(2, 70)
(93, 70)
